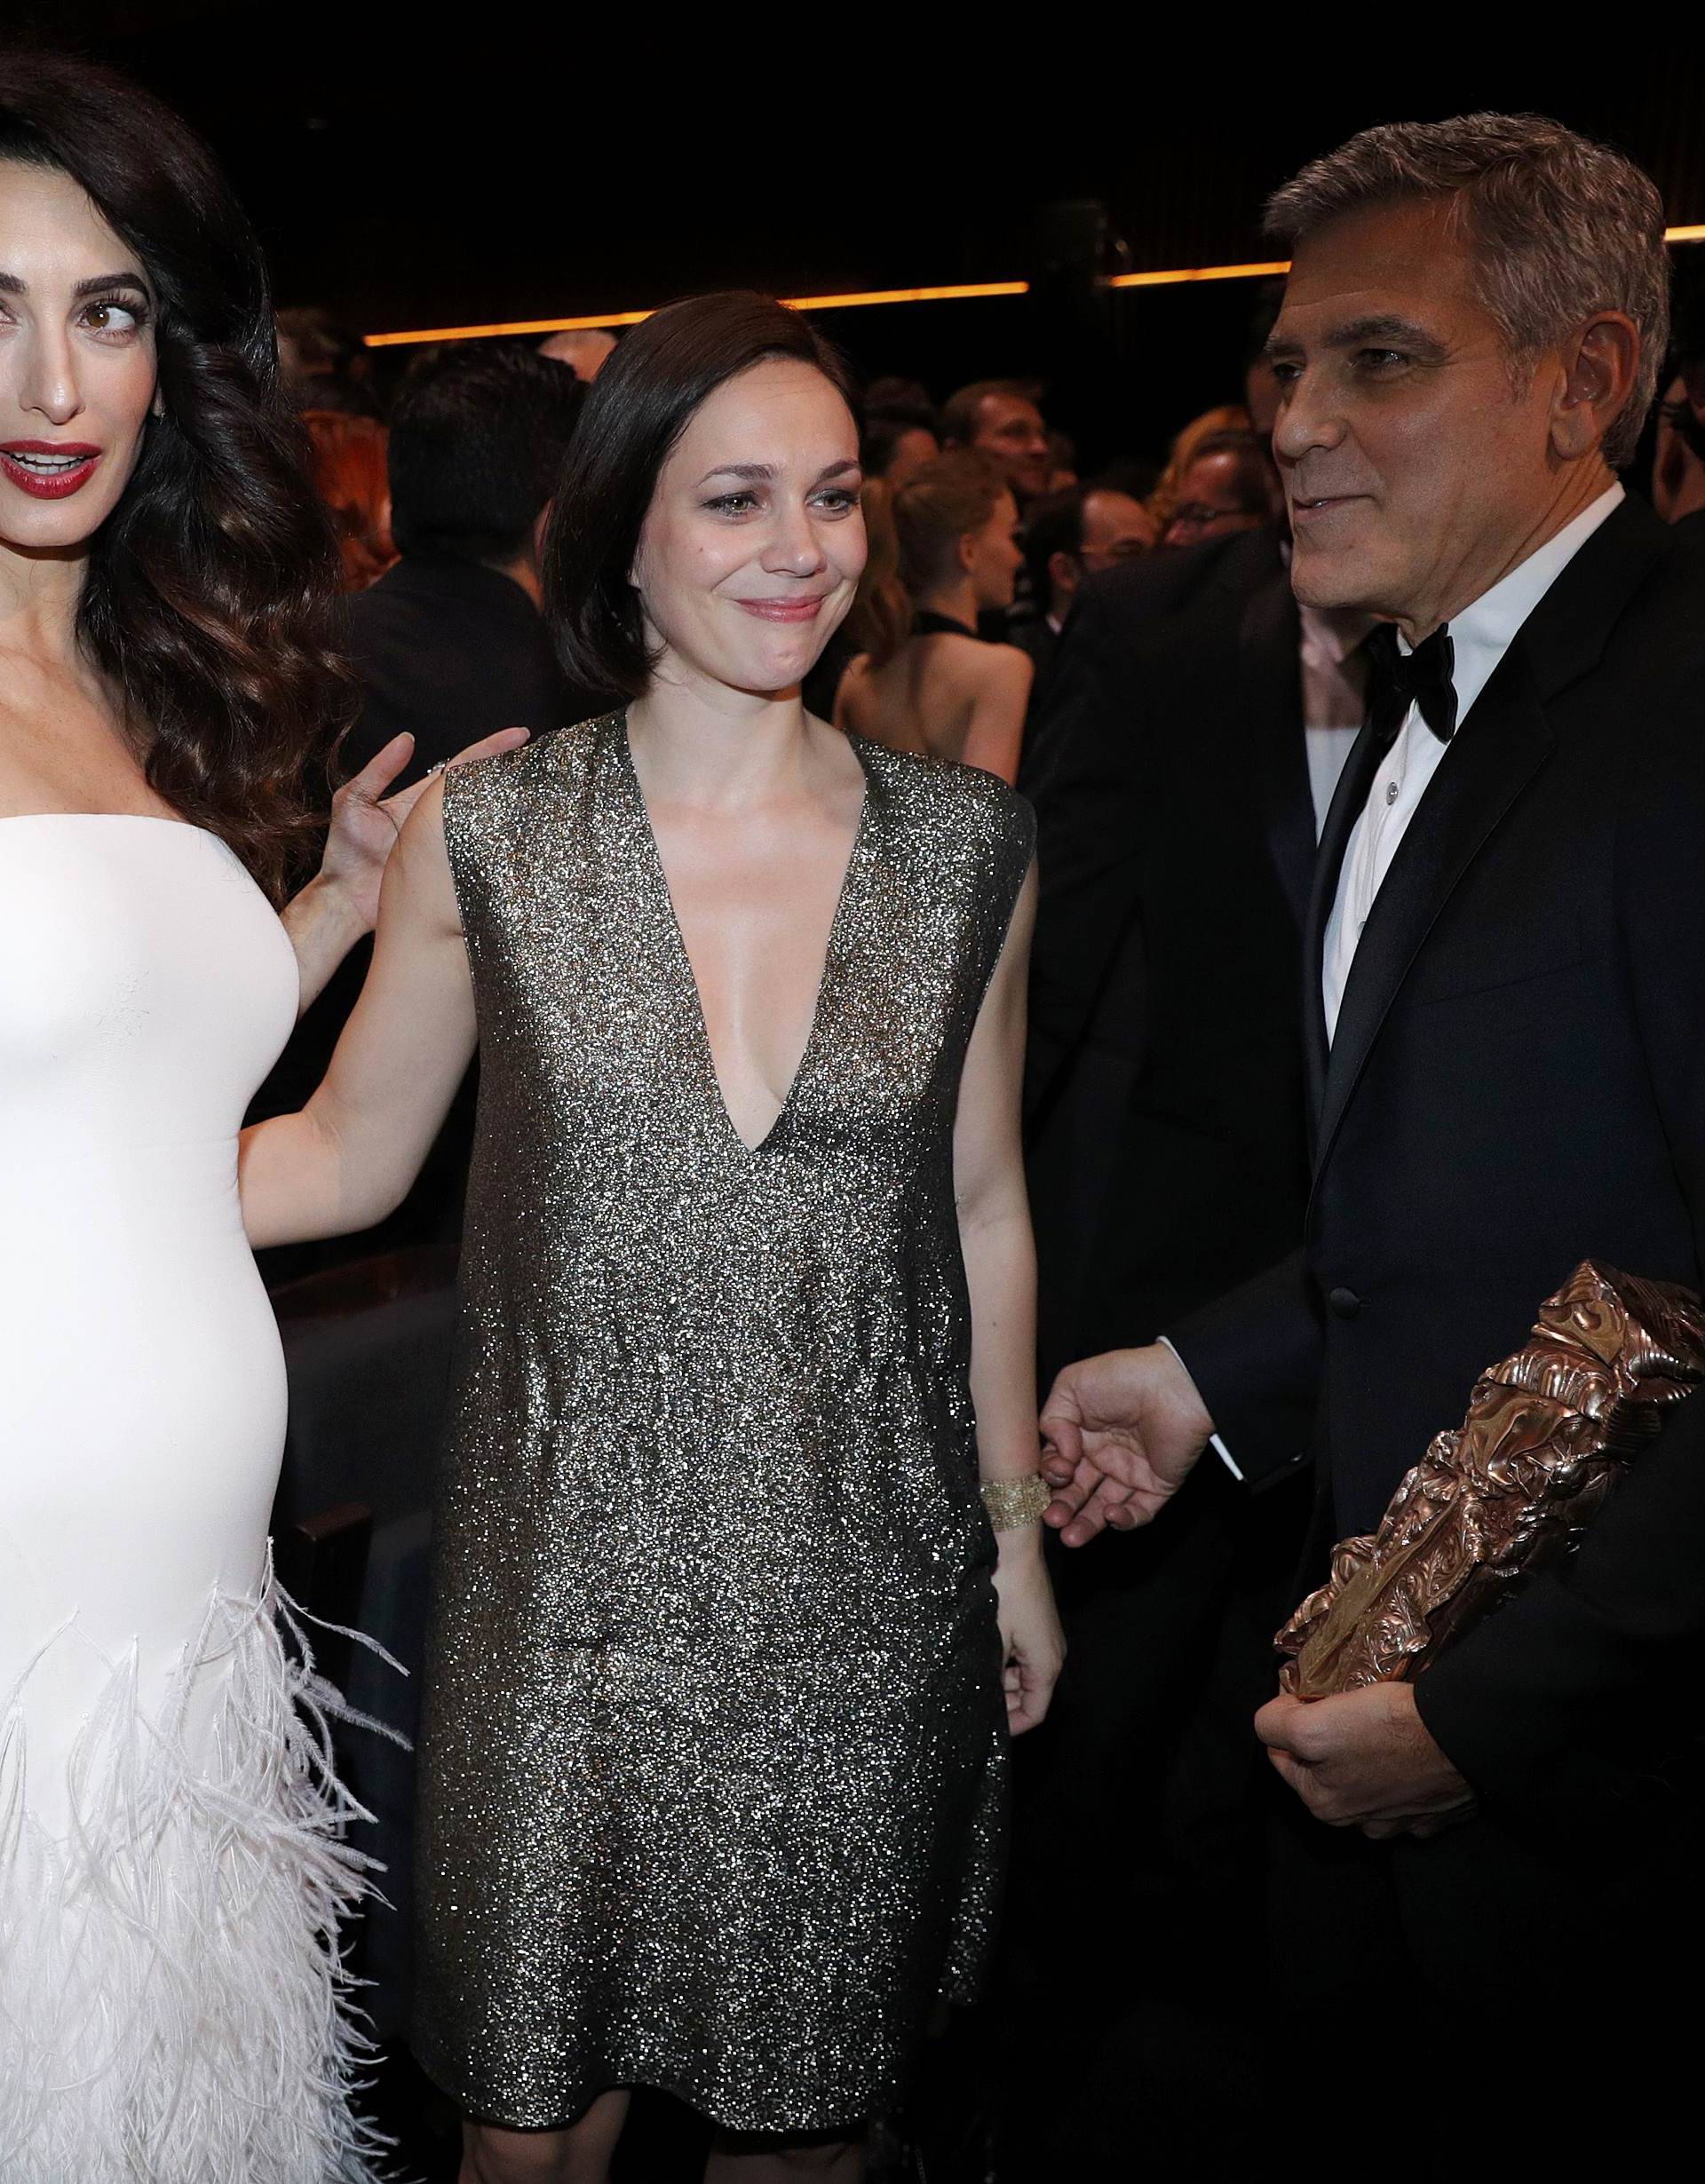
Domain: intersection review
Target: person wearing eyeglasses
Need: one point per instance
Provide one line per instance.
(1228, 486)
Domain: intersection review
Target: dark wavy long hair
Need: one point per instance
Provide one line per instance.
(210, 588)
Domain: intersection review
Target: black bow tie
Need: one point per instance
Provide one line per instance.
(1421, 678)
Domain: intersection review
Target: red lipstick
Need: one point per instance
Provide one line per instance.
(48, 470)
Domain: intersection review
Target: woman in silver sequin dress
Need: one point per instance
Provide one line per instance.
(713, 1760)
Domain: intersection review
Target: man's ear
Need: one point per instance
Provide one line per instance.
(1062, 572)
(966, 543)
(1601, 364)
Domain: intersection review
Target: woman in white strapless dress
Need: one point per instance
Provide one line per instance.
(170, 1868)
(172, 1862)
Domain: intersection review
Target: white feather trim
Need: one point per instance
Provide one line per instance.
(173, 2007)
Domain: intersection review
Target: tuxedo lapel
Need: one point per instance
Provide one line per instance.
(1499, 749)
(1270, 706)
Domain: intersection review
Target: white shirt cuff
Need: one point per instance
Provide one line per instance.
(1214, 1441)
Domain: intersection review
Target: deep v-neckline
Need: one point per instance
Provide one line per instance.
(691, 995)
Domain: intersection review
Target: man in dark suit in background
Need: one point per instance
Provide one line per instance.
(1170, 768)
(1185, 751)
(1179, 768)
(449, 643)
(1070, 535)
(449, 646)
(1505, 1006)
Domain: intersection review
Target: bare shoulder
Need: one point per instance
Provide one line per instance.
(423, 831)
(1004, 668)
(418, 883)
(852, 693)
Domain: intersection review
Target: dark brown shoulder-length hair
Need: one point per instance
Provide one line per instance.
(210, 588)
(641, 403)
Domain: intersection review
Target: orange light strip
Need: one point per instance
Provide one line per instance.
(595, 322)
(957, 293)
(1199, 273)
(908, 296)
(861, 298)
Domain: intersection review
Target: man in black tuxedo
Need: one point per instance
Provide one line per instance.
(1505, 971)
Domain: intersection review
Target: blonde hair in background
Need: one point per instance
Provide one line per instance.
(1231, 420)
(913, 537)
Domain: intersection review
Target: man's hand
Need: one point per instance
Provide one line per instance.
(365, 822)
(1364, 1760)
(1122, 1431)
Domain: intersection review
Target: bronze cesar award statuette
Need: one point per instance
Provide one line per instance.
(1547, 1435)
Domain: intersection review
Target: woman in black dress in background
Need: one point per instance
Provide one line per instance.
(944, 553)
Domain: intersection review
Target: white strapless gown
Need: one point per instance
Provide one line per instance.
(172, 1870)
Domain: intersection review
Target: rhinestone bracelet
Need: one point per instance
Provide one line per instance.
(1013, 1502)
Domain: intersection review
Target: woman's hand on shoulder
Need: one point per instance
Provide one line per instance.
(366, 823)
(341, 903)
(350, 1156)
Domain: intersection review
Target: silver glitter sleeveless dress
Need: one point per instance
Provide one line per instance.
(713, 1752)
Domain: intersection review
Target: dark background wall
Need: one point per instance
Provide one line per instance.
(417, 167)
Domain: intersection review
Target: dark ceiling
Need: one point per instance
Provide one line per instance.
(411, 167)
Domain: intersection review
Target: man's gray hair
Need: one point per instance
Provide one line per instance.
(1560, 227)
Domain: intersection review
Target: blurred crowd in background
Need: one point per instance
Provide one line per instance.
(1005, 535)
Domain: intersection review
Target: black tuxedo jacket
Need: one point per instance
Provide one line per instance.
(1167, 768)
(451, 650)
(1516, 1083)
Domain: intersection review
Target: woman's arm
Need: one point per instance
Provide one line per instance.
(1001, 1276)
(1002, 698)
(994, 1214)
(349, 1156)
(341, 902)
(324, 921)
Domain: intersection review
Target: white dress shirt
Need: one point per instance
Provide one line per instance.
(1479, 634)
(1334, 695)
